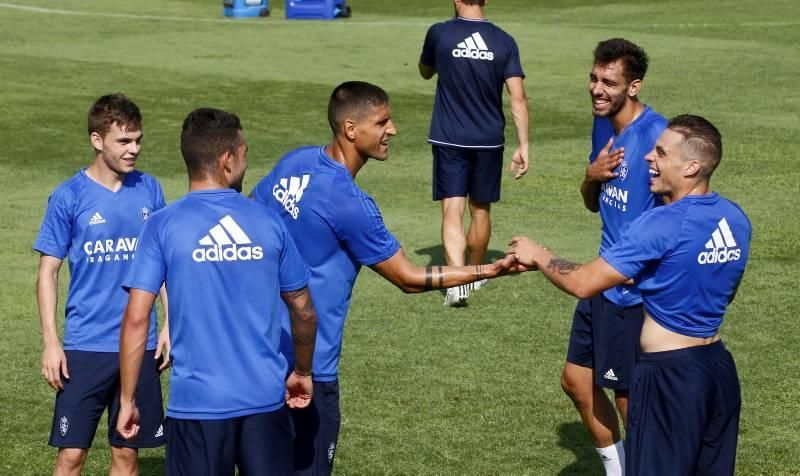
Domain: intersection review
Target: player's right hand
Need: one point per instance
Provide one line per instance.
(299, 389)
(54, 366)
(128, 421)
(602, 169)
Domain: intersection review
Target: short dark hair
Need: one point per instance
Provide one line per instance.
(207, 134)
(633, 57)
(113, 109)
(480, 3)
(353, 99)
(701, 140)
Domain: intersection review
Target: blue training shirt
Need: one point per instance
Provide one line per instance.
(225, 259)
(97, 230)
(687, 259)
(473, 59)
(337, 228)
(625, 197)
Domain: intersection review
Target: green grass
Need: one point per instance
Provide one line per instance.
(425, 389)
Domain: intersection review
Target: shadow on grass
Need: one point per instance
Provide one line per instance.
(573, 437)
(151, 466)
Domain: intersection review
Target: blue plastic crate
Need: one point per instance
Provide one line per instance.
(314, 9)
(245, 8)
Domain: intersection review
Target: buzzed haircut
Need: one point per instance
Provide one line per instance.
(353, 100)
(701, 140)
(114, 109)
(633, 57)
(207, 134)
(474, 2)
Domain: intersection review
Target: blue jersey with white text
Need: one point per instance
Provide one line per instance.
(97, 230)
(473, 59)
(225, 260)
(687, 259)
(625, 197)
(337, 227)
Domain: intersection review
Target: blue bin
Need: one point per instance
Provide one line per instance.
(314, 9)
(245, 8)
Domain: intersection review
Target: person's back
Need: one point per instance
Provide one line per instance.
(473, 59)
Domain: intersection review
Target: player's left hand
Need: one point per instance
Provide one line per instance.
(525, 251)
(519, 162)
(299, 389)
(506, 265)
(128, 421)
(163, 348)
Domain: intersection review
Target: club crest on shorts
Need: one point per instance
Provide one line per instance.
(144, 213)
(63, 425)
(331, 452)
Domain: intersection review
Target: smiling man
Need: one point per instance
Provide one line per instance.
(687, 259)
(606, 327)
(93, 219)
(338, 228)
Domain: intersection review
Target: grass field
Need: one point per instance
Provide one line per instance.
(425, 389)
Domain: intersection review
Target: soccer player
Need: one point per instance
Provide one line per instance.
(473, 59)
(338, 228)
(225, 260)
(93, 220)
(687, 260)
(603, 344)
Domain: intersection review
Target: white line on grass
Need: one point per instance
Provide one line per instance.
(130, 16)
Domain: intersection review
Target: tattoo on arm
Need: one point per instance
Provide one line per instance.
(304, 318)
(560, 266)
(479, 271)
(429, 276)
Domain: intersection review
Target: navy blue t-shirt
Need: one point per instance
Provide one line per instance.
(337, 228)
(473, 59)
(687, 259)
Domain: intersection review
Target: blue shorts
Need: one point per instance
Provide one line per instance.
(683, 415)
(255, 444)
(317, 431)
(605, 337)
(92, 387)
(473, 173)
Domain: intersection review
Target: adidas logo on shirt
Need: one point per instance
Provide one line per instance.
(722, 247)
(96, 219)
(610, 375)
(226, 241)
(289, 192)
(473, 47)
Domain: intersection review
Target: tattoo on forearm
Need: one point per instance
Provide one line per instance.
(560, 266)
(479, 271)
(304, 318)
(430, 275)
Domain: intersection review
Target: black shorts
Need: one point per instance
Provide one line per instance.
(92, 387)
(473, 173)
(255, 444)
(683, 415)
(605, 337)
(317, 431)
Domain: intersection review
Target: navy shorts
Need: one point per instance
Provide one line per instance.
(605, 337)
(683, 415)
(92, 387)
(317, 431)
(255, 444)
(473, 173)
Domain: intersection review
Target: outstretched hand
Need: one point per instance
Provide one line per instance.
(525, 251)
(602, 169)
(299, 390)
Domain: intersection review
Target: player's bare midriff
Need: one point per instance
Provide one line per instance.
(656, 338)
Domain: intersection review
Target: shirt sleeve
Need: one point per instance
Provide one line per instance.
(428, 56)
(158, 198)
(149, 269)
(642, 243)
(55, 235)
(513, 65)
(292, 270)
(360, 226)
